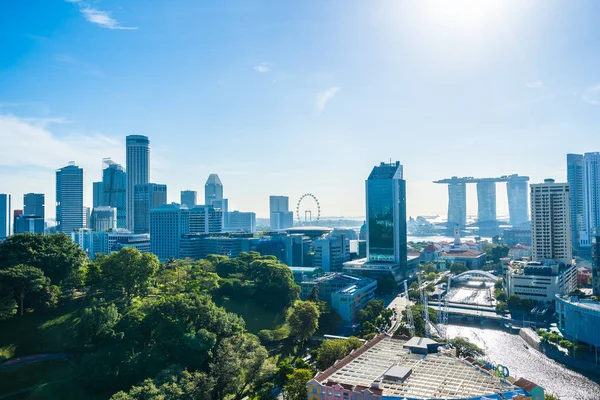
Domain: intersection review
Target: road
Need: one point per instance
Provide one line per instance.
(399, 304)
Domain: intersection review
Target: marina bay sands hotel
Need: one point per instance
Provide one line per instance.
(516, 187)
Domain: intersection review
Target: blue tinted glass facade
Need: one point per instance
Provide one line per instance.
(386, 214)
(114, 186)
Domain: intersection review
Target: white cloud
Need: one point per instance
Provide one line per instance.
(592, 95)
(535, 84)
(32, 150)
(98, 17)
(263, 67)
(324, 97)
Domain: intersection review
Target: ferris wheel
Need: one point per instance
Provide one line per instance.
(310, 213)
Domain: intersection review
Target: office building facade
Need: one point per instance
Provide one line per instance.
(205, 219)
(583, 175)
(70, 209)
(34, 204)
(386, 214)
(213, 189)
(223, 205)
(103, 218)
(280, 215)
(114, 187)
(98, 242)
(551, 222)
(138, 171)
(331, 252)
(97, 194)
(539, 282)
(168, 224)
(596, 264)
(239, 221)
(147, 196)
(5, 216)
(189, 198)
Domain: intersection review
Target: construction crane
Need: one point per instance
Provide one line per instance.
(424, 305)
(409, 316)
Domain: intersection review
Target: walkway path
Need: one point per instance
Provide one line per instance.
(33, 359)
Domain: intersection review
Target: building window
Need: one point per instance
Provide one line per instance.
(314, 390)
(345, 395)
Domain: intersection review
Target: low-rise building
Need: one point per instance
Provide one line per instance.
(393, 368)
(472, 259)
(346, 294)
(103, 242)
(579, 319)
(540, 282)
(377, 270)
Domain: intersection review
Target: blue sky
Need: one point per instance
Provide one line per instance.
(288, 97)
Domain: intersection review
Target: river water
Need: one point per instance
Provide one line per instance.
(509, 350)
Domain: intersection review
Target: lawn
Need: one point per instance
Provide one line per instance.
(256, 317)
(29, 375)
(35, 333)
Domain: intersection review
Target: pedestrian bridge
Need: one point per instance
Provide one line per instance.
(468, 275)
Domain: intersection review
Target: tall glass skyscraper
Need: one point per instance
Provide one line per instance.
(386, 214)
(148, 196)
(114, 190)
(138, 170)
(33, 204)
(5, 216)
(583, 175)
(189, 198)
(213, 189)
(70, 209)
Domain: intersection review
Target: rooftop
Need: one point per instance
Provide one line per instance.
(463, 254)
(384, 365)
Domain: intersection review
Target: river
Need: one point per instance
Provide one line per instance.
(509, 350)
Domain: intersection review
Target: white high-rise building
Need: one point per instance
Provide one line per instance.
(551, 222)
(70, 209)
(583, 174)
(5, 217)
(280, 215)
(138, 170)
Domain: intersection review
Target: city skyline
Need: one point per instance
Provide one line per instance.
(436, 96)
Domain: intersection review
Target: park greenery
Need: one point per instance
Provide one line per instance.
(139, 329)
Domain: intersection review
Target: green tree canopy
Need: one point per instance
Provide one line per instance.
(332, 350)
(457, 268)
(61, 260)
(295, 389)
(21, 280)
(303, 319)
(128, 270)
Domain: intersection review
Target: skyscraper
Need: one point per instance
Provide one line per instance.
(280, 215)
(457, 205)
(486, 203)
(34, 205)
(577, 199)
(114, 186)
(239, 221)
(167, 224)
(5, 216)
(386, 214)
(596, 265)
(138, 170)
(97, 194)
(33, 215)
(516, 189)
(103, 218)
(213, 189)
(189, 198)
(205, 219)
(583, 174)
(70, 209)
(147, 197)
(551, 222)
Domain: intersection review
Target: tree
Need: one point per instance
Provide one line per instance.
(129, 271)
(499, 284)
(295, 389)
(98, 322)
(61, 260)
(501, 307)
(171, 384)
(457, 268)
(313, 295)
(514, 301)
(303, 320)
(548, 396)
(240, 361)
(464, 348)
(332, 350)
(8, 306)
(21, 280)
